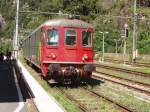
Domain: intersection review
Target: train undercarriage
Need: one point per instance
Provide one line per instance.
(69, 73)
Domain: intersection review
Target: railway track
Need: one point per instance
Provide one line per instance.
(147, 75)
(115, 60)
(142, 64)
(114, 79)
(122, 107)
(128, 62)
(128, 80)
(84, 108)
(70, 97)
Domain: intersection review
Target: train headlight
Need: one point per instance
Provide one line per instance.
(53, 56)
(85, 57)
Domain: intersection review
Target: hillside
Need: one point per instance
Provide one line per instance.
(93, 11)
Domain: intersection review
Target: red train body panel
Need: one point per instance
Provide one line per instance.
(61, 48)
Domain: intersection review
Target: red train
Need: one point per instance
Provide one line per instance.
(62, 49)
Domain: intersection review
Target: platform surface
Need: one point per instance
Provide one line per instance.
(44, 101)
(10, 95)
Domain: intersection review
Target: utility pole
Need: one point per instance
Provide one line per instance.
(124, 50)
(116, 46)
(125, 41)
(15, 47)
(103, 50)
(134, 34)
(116, 41)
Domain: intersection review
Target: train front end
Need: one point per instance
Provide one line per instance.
(68, 51)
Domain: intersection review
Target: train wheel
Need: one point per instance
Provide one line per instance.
(86, 77)
(78, 79)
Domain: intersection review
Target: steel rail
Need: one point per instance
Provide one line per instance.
(115, 60)
(120, 83)
(128, 62)
(142, 64)
(123, 107)
(81, 106)
(128, 80)
(124, 70)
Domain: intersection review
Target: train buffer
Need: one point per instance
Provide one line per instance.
(17, 85)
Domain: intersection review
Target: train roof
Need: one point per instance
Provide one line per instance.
(68, 23)
(64, 23)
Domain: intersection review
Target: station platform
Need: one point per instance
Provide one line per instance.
(11, 99)
(44, 101)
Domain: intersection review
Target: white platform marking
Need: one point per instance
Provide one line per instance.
(21, 103)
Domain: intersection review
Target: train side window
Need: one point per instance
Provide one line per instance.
(70, 37)
(53, 37)
(86, 39)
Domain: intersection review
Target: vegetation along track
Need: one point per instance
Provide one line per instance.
(114, 79)
(70, 97)
(84, 105)
(128, 62)
(147, 75)
(123, 107)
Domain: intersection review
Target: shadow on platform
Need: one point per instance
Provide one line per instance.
(8, 89)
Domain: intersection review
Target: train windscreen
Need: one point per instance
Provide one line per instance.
(53, 37)
(70, 38)
(86, 39)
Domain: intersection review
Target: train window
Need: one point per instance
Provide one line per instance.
(70, 38)
(52, 37)
(86, 39)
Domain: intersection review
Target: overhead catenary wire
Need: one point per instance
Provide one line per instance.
(49, 13)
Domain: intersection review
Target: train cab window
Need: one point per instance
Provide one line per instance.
(70, 38)
(53, 37)
(86, 39)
